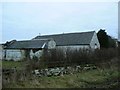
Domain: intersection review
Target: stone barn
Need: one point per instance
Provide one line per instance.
(18, 50)
(86, 40)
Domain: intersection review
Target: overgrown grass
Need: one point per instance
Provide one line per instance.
(106, 75)
(86, 79)
(13, 64)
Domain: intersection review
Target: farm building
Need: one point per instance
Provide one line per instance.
(17, 50)
(87, 40)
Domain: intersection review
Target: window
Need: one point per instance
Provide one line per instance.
(96, 46)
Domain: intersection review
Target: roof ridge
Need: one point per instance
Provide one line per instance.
(33, 40)
(67, 33)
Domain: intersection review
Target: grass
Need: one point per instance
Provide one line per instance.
(86, 79)
(99, 78)
(13, 64)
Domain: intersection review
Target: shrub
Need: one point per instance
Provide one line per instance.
(104, 55)
(59, 57)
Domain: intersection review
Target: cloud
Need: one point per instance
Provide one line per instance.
(48, 18)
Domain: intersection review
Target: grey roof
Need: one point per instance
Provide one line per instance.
(83, 38)
(27, 44)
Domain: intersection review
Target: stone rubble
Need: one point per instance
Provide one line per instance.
(60, 71)
(57, 71)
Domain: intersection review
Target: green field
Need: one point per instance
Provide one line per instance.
(99, 78)
(13, 64)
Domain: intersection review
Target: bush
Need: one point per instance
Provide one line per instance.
(57, 57)
(104, 55)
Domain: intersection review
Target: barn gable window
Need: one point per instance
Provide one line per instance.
(96, 46)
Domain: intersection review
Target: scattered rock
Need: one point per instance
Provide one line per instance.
(60, 71)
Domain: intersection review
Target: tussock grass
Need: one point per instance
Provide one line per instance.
(85, 79)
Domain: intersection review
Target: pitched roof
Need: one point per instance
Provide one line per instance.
(27, 44)
(82, 38)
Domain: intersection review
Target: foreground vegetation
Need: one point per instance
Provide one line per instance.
(13, 64)
(99, 78)
(106, 75)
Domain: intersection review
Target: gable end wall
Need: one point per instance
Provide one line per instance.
(94, 41)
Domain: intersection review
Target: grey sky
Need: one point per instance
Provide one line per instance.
(26, 20)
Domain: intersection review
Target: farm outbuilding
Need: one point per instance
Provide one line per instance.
(86, 40)
(18, 50)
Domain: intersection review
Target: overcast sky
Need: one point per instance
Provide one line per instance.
(23, 21)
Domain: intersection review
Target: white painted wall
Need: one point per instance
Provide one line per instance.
(37, 54)
(15, 55)
(51, 44)
(73, 47)
(94, 42)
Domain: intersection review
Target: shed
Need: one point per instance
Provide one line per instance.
(18, 50)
